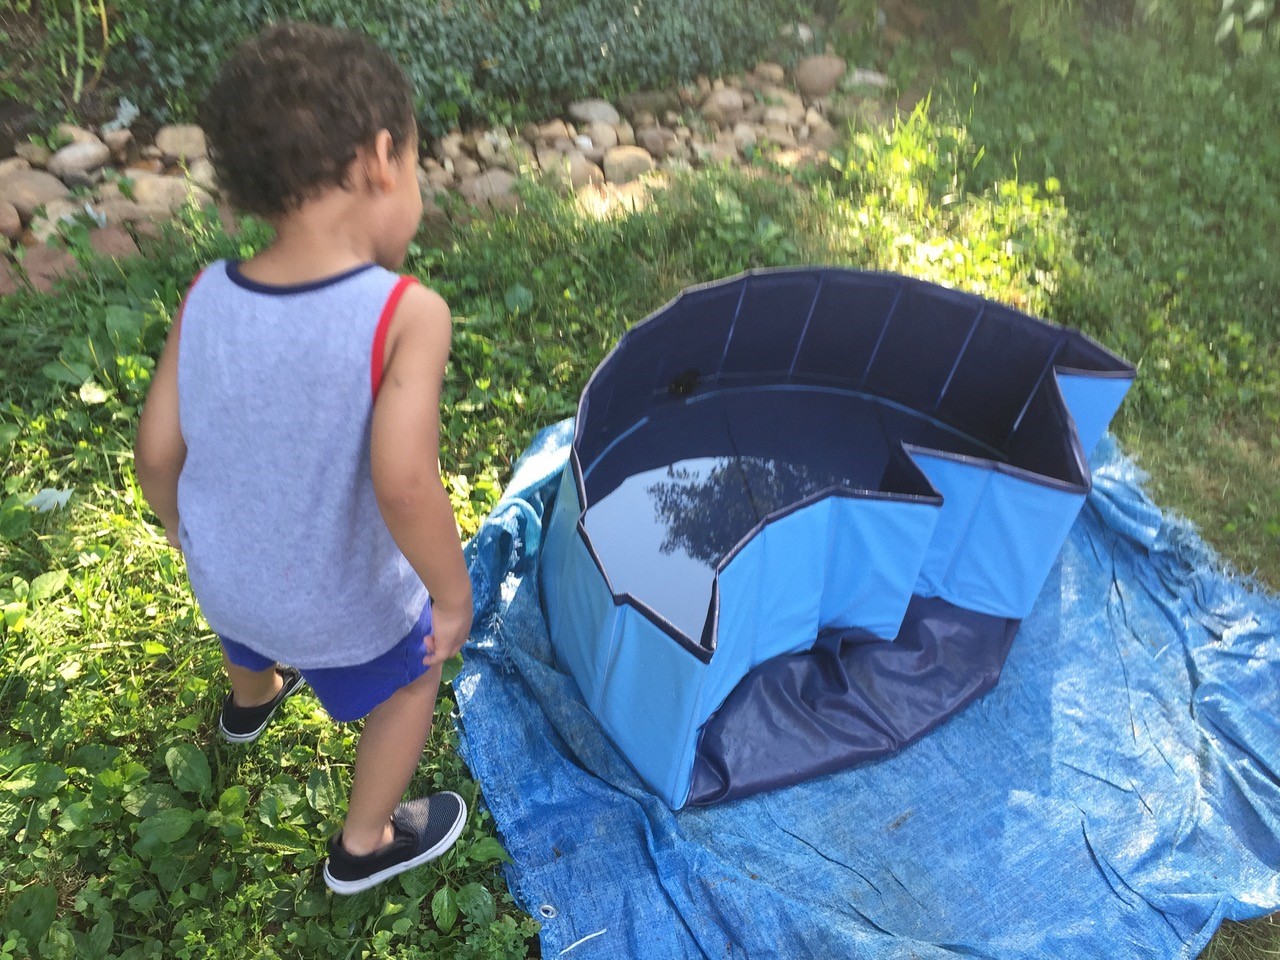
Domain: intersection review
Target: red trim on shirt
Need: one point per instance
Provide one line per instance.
(380, 334)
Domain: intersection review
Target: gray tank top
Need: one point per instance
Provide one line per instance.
(286, 548)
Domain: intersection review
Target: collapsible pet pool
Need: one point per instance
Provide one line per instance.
(804, 513)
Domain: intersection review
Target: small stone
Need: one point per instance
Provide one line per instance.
(582, 172)
(779, 136)
(202, 174)
(78, 159)
(10, 221)
(440, 179)
(651, 102)
(813, 117)
(658, 142)
(145, 165)
(671, 119)
(603, 135)
(723, 107)
(626, 134)
(112, 241)
(624, 164)
(862, 77)
(770, 73)
(495, 189)
(644, 118)
(70, 133)
(818, 76)
(120, 143)
(28, 189)
(183, 141)
(555, 130)
(8, 279)
(450, 146)
(33, 153)
(783, 104)
(45, 265)
(13, 165)
(151, 152)
(465, 167)
(586, 111)
(823, 136)
(116, 208)
(745, 136)
(45, 226)
(160, 196)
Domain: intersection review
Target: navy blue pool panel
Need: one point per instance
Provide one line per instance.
(789, 456)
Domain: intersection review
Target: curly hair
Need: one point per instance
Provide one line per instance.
(289, 109)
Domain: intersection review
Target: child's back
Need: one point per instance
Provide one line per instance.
(285, 544)
(302, 481)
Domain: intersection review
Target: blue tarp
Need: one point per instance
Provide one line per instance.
(1116, 795)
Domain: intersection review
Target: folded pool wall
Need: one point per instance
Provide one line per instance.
(975, 535)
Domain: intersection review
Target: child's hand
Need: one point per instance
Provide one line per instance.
(449, 631)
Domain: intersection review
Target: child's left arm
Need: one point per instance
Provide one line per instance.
(160, 451)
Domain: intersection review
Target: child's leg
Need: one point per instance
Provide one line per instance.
(252, 688)
(390, 747)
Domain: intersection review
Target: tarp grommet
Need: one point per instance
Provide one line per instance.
(548, 912)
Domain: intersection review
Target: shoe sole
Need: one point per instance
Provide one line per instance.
(347, 887)
(255, 734)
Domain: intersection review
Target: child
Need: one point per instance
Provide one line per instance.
(289, 443)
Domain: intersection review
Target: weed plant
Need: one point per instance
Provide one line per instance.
(127, 829)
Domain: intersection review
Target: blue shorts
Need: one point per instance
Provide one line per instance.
(349, 693)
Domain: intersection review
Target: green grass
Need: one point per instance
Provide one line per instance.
(128, 830)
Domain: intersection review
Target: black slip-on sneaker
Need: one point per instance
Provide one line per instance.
(244, 724)
(424, 829)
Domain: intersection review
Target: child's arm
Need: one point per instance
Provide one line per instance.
(160, 451)
(405, 450)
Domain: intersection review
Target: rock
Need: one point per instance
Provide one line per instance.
(151, 152)
(28, 189)
(779, 136)
(658, 142)
(159, 196)
(770, 74)
(555, 130)
(644, 119)
(45, 265)
(46, 225)
(723, 150)
(823, 136)
(202, 174)
(113, 241)
(145, 165)
(13, 165)
(495, 189)
(120, 143)
(866, 78)
(626, 134)
(649, 101)
(624, 164)
(78, 159)
(10, 222)
(782, 107)
(8, 279)
(465, 167)
(586, 111)
(117, 208)
(604, 136)
(582, 172)
(813, 117)
(70, 133)
(745, 137)
(33, 153)
(183, 141)
(450, 146)
(723, 107)
(818, 76)
(861, 111)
